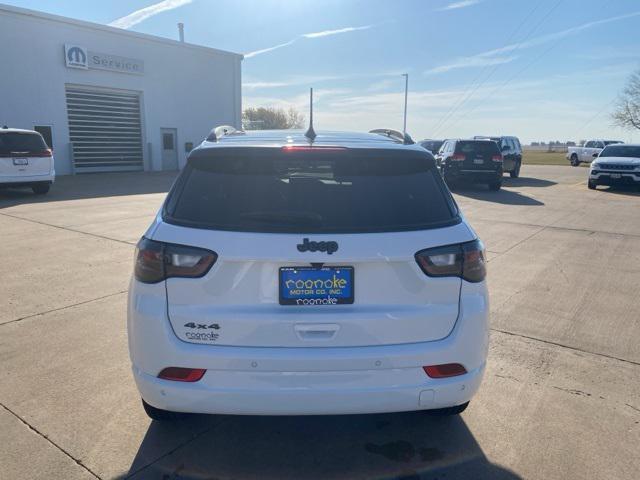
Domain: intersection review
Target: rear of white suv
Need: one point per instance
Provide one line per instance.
(288, 278)
(25, 160)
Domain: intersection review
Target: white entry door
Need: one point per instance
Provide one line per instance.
(169, 149)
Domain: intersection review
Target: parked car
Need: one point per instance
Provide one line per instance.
(25, 160)
(511, 153)
(585, 154)
(432, 145)
(478, 161)
(617, 164)
(325, 276)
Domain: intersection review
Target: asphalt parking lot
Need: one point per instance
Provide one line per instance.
(560, 400)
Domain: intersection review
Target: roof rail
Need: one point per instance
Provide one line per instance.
(394, 134)
(218, 132)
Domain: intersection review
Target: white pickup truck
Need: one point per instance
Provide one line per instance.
(577, 155)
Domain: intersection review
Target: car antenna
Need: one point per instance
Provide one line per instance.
(310, 133)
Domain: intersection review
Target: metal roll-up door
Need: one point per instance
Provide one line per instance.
(104, 129)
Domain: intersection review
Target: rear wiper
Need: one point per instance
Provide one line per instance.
(306, 218)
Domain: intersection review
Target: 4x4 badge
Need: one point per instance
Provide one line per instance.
(307, 246)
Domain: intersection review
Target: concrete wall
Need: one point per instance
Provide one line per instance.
(184, 86)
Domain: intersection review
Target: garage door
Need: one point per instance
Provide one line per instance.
(105, 130)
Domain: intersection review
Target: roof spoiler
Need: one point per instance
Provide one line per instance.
(394, 134)
(223, 130)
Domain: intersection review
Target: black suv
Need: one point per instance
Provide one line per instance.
(511, 153)
(479, 161)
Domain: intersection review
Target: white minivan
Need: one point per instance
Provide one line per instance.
(25, 160)
(289, 276)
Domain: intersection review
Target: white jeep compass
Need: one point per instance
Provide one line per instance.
(287, 275)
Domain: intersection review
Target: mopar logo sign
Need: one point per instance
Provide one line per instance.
(79, 57)
(75, 56)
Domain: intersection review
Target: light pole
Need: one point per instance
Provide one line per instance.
(406, 92)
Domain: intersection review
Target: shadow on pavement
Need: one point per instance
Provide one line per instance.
(527, 182)
(386, 446)
(74, 187)
(629, 190)
(506, 197)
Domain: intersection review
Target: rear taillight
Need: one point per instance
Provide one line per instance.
(178, 374)
(444, 371)
(157, 261)
(464, 260)
(497, 158)
(458, 157)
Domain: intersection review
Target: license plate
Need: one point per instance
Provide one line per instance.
(20, 161)
(616, 175)
(316, 286)
(478, 161)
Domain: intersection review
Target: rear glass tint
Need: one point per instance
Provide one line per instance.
(482, 147)
(337, 192)
(21, 143)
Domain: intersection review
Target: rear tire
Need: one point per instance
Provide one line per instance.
(495, 185)
(40, 188)
(591, 184)
(449, 411)
(515, 173)
(160, 415)
(574, 160)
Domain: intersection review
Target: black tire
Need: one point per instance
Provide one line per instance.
(495, 185)
(449, 411)
(41, 188)
(591, 184)
(515, 173)
(574, 160)
(160, 415)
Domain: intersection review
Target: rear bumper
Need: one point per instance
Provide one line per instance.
(478, 175)
(304, 381)
(309, 393)
(25, 180)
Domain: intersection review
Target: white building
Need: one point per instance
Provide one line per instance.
(109, 99)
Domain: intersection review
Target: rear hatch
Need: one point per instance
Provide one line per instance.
(347, 220)
(24, 154)
(479, 154)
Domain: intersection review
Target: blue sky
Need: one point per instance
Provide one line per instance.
(543, 70)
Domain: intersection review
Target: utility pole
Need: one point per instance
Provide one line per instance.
(406, 93)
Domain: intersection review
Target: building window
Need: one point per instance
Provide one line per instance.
(47, 134)
(167, 141)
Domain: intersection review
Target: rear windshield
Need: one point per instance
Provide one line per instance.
(484, 147)
(21, 143)
(621, 151)
(337, 192)
(611, 142)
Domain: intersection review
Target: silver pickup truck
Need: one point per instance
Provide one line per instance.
(588, 152)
